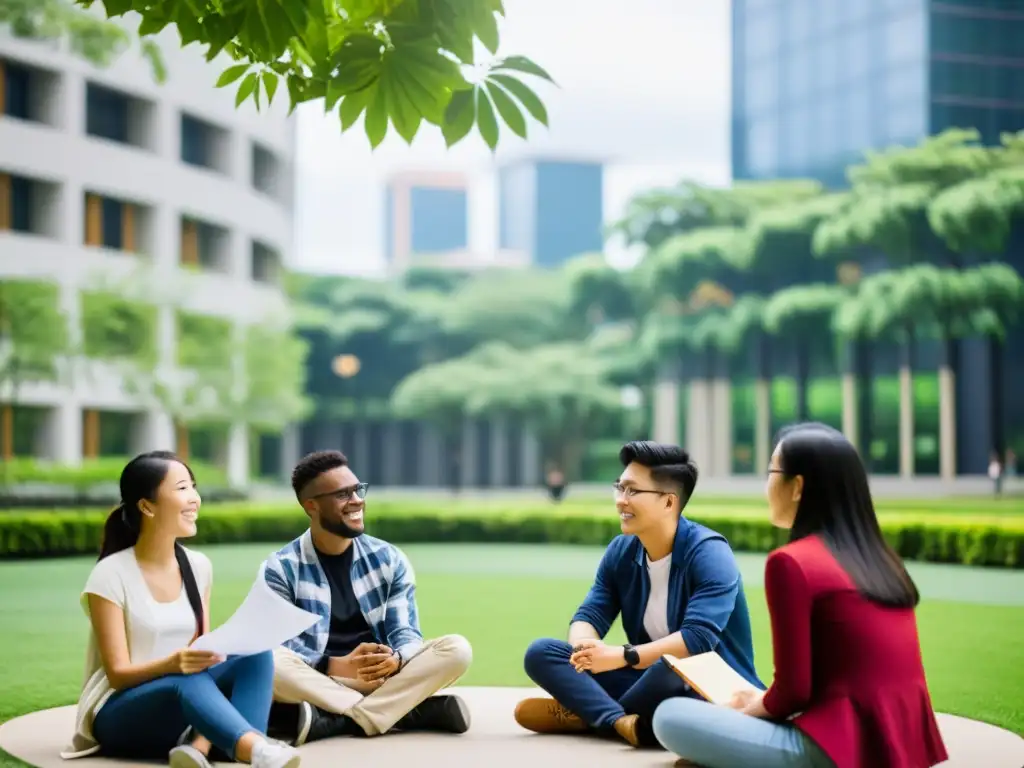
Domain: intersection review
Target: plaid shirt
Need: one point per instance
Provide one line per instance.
(383, 582)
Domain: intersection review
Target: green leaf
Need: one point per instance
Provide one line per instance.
(456, 40)
(189, 28)
(486, 122)
(231, 74)
(523, 64)
(404, 115)
(458, 117)
(246, 88)
(526, 96)
(353, 104)
(219, 32)
(270, 85)
(377, 118)
(486, 26)
(508, 110)
(304, 55)
(152, 25)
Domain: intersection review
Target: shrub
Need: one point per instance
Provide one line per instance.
(103, 471)
(62, 532)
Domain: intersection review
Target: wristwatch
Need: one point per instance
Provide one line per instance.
(629, 653)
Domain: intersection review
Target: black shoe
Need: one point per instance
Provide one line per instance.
(315, 724)
(448, 714)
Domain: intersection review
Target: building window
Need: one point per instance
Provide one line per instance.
(106, 113)
(201, 144)
(15, 88)
(265, 264)
(203, 245)
(111, 223)
(265, 171)
(904, 39)
(762, 86)
(763, 147)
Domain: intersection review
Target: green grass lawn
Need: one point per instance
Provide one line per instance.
(501, 597)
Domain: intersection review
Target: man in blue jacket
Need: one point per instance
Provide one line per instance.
(678, 589)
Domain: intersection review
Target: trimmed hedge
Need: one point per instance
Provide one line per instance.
(63, 533)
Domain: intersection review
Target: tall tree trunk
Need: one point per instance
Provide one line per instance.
(665, 406)
(803, 379)
(698, 434)
(848, 386)
(763, 405)
(996, 392)
(865, 400)
(947, 408)
(907, 406)
(720, 414)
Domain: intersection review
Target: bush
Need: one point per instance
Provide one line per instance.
(62, 532)
(91, 473)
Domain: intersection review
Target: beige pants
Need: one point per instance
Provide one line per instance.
(439, 664)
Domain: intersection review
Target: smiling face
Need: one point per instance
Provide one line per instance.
(334, 502)
(642, 502)
(174, 508)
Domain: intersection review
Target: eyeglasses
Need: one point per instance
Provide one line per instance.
(630, 492)
(357, 491)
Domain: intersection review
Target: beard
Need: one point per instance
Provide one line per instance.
(340, 528)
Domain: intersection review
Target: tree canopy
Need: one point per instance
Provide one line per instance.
(396, 63)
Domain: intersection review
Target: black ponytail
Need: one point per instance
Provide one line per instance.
(121, 531)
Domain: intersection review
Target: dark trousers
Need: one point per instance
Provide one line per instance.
(603, 698)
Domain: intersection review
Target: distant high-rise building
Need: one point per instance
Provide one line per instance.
(551, 209)
(817, 83)
(426, 213)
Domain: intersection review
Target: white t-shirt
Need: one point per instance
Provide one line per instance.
(656, 612)
(154, 629)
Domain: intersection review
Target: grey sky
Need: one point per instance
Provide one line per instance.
(646, 89)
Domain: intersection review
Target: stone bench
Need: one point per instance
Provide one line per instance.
(494, 739)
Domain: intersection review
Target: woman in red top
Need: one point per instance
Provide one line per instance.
(849, 688)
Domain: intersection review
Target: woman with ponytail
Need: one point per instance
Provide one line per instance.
(146, 694)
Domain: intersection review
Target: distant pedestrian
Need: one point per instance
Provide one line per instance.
(555, 480)
(995, 473)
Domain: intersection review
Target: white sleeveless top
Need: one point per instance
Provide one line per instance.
(154, 630)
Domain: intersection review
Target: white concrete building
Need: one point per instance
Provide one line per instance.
(108, 179)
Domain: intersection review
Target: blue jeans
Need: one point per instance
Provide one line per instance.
(715, 736)
(222, 703)
(603, 698)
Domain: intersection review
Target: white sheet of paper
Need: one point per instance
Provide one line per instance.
(261, 623)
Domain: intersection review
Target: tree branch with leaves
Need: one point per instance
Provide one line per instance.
(397, 63)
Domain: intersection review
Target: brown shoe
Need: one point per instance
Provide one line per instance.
(625, 726)
(543, 715)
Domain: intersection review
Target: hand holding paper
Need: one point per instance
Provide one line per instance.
(261, 623)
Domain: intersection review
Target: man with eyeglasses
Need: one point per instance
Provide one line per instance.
(677, 588)
(364, 668)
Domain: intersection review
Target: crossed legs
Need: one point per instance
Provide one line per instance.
(440, 663)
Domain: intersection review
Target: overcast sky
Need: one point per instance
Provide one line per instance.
(644, 85)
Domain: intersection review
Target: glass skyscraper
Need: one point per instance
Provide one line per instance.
(818, 82)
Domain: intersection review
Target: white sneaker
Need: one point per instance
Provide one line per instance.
(274, 754)
(186, 756)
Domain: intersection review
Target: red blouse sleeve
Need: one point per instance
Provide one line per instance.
(789, 605)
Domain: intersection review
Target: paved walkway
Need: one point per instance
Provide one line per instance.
(494, 739)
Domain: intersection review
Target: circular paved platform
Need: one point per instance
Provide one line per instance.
(494, 739)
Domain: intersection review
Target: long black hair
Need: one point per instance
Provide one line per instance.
(140, 479)
(836, 505)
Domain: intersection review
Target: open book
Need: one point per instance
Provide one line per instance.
(709, 675)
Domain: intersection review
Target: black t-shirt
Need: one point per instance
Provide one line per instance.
(348, 627)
